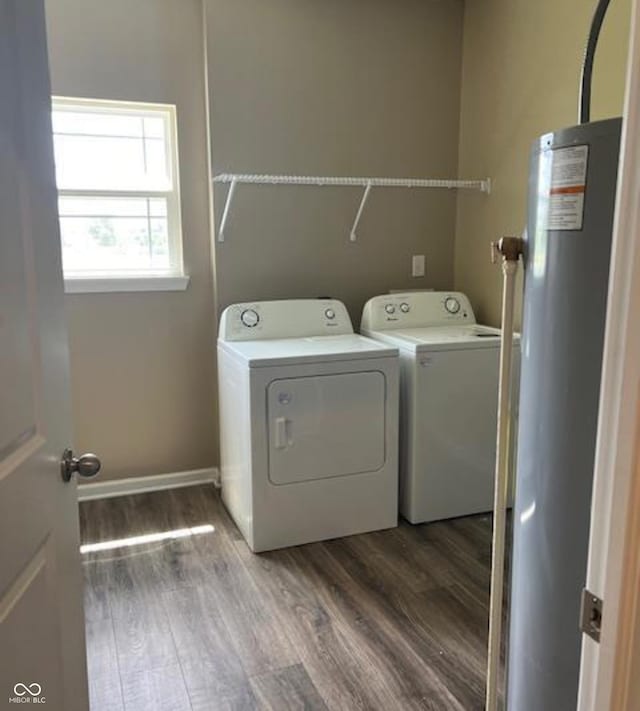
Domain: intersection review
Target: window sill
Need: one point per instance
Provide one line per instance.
(104, 285)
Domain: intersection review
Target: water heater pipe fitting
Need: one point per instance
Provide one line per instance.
(510, 248)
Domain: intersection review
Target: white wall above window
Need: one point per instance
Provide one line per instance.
(119, 197)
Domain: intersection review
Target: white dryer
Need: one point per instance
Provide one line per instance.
(449, 398)
(308, 421)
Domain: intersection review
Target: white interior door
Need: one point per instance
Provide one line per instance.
(41, 619)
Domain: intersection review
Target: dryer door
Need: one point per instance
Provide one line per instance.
(326, 426)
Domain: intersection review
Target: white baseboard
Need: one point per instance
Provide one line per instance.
(143, 484)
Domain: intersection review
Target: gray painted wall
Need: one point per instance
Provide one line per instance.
(142, 365)
(364, 87)
(342, 87)
(516, 87)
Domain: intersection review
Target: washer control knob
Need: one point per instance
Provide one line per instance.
(330, 314)
(250, 318)
(404, 307)
(452, 305)
(390, 309)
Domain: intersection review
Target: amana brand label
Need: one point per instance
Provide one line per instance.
(568, 184)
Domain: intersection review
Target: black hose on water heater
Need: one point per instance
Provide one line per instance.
(584, 112)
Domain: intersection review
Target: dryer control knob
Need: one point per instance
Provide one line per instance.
(390, 308)
(250, 318)
(452, 305)
(404, 307)
(330, 314)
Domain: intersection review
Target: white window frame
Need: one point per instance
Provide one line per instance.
(173, 279)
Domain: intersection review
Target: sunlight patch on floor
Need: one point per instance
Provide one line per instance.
(146, 538)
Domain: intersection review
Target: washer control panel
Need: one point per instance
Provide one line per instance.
(416, 309)
(295, 318)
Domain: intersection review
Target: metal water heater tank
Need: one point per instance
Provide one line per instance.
(572, 187)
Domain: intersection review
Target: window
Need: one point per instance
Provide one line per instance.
(118, 193)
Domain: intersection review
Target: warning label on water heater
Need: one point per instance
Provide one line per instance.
(568, 184)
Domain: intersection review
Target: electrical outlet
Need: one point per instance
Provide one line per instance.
(417, 265)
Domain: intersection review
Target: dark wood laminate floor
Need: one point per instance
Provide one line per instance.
(388, 620)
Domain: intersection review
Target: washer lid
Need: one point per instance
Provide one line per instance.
(312, 349)
(442, 337)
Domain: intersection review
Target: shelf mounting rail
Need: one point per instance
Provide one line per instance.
(234, 179)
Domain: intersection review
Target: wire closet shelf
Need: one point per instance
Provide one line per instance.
(234, 179)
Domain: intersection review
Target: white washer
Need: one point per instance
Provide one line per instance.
(449, 398)
(308, 421)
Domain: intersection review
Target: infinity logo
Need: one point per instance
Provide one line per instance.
(33, 689)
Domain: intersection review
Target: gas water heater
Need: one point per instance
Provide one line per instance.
(567, 248)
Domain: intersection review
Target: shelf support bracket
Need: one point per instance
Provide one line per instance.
(225, 212)
(353, 236)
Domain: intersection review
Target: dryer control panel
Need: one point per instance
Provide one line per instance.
(292, 318)
(416, 309)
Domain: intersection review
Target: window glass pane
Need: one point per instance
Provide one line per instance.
(98, 163)
(158, 207)
(96, 123)
(154, 128)
(109, 206)
(156, 158)
(103, 235)
(160, 258)
(110, 150)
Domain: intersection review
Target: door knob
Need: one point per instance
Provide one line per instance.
(86, 466)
